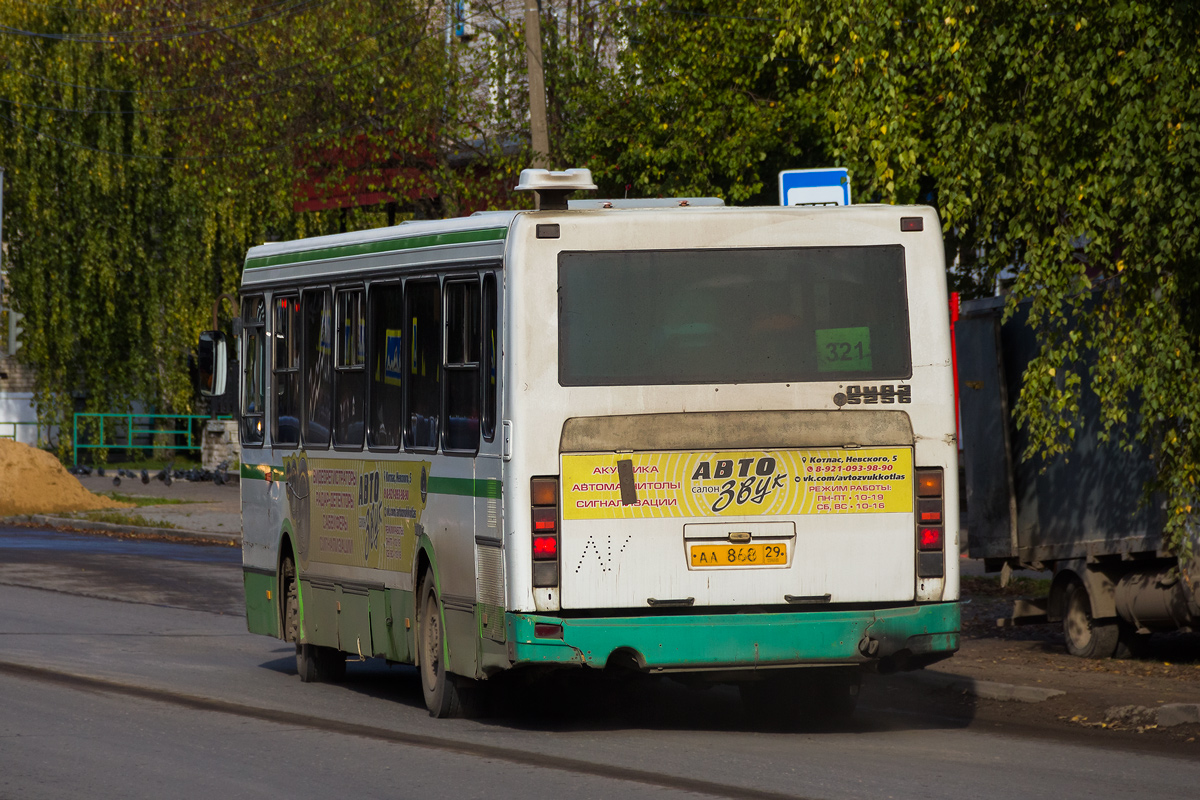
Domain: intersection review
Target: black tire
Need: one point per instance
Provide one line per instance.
(1130, 643)
(318, 664)
(440, 690)
(291, 601)
(1085, 636)
(314, 663)
(808, 698)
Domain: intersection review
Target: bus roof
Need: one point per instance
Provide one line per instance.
(491, 227)
(483, 236)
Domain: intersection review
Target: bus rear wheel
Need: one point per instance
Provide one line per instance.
(444, 694)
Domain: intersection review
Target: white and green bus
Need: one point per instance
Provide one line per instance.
(670, 437)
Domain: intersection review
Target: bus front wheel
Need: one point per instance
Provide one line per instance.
(318, 664)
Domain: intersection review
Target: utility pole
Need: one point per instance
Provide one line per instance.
(538, 130)
(2, 287)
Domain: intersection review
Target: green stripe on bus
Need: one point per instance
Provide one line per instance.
(465, 487)
(387, 246)
(790, 638)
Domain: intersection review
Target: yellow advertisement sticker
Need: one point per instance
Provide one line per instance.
(356, 513)
(742, 483)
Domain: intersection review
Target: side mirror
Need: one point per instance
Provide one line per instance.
(213, 363)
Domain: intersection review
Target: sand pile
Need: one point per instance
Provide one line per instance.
(33, 482)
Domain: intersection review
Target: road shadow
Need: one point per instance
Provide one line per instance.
(583, 700)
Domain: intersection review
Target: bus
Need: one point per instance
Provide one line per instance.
(667, 436)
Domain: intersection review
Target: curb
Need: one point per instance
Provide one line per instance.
(1173, 714)
(69, 523)
(1164, 716)
(987, 690)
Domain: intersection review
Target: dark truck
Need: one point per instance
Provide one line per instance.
(1082, 516)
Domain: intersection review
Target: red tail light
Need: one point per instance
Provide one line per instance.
(543, 514)
(931, 540)
(545, 548)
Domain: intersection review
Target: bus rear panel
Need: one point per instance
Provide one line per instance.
(751, 437)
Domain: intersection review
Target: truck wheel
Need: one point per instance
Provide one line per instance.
(1131, 644)
(440, 690)
(318, 664)
(1085, 636)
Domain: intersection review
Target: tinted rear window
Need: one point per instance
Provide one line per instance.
(655, 317)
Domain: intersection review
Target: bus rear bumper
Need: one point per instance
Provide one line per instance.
(898, 638)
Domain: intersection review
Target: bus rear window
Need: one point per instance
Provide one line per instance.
(656, 317)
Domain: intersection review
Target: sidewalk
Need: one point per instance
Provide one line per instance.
(190, 509)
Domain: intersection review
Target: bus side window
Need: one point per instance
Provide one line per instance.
(285, 427)
(254, 365)
(318, 367)
(491, 358)
(422, 302)
(463, 346)
(387, 366)
(349, 375)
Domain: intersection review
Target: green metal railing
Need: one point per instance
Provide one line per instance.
(140, 426)
(8, 430)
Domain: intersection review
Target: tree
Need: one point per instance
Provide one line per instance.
(1059, 142)
(687, 101)
(147, 146)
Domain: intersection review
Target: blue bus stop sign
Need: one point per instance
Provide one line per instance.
(829, 186)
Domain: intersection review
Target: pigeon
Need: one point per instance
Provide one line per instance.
(100, 471)
(145, 476)
(117, 480)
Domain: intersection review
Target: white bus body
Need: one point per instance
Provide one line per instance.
(742, 418)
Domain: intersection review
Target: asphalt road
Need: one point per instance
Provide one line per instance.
(129, 673)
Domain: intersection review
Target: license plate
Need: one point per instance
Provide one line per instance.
(724, 556)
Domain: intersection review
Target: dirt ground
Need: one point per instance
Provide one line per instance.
(33, 481)
(1111, 696)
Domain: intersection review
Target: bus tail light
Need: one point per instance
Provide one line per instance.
(545, 548)
(931, 540)
(543, 494)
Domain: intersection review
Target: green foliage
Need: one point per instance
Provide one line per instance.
(141, 164)
(1060, 143)
(129, 520)
(685, 103)
(139, 500)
